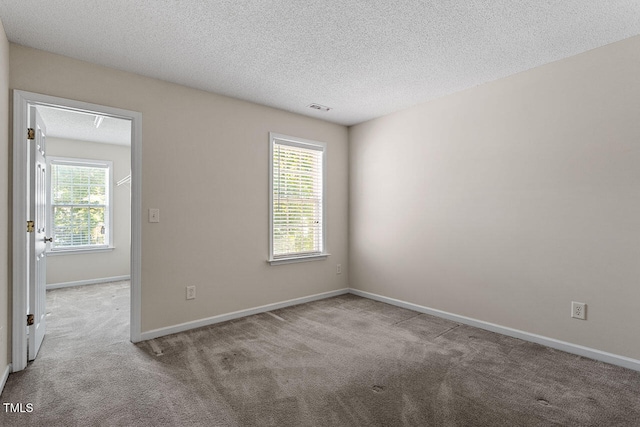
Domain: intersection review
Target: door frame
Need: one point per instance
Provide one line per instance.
(20, 263)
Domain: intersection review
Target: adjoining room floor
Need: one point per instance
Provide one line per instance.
(343, 361)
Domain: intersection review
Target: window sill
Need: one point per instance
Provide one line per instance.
(76, 251)
(293, 259)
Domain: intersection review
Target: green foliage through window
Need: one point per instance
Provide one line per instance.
(79, 203)
(297, 200)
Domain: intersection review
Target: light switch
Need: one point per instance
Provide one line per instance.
(154, 215)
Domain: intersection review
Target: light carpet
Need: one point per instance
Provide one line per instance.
(343, 361)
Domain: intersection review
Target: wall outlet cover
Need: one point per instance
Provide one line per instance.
(578, 310)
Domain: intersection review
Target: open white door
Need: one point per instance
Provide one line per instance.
(37, 232)
(29, 204)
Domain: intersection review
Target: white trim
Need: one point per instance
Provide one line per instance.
(88, 282)
(614, 359)
(20, 242)
(291, 260)
(77, 161)
(591, 353)
(108, 206)
(136, 226)
(294, 141)
(309, 145)
(21, 102)
(155, 333)
(88, 250)
(5, 376)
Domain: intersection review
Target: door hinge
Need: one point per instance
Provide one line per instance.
(31, 133)
(30, 319)
(30, 226)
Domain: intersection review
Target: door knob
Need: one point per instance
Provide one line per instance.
(48, 239)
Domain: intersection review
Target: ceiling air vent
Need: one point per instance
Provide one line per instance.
(319, 107)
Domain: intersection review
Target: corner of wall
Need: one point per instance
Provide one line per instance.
(4, 212)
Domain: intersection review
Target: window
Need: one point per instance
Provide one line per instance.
(297, 218)
(80, 204)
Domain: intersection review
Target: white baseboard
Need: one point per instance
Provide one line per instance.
(155, 333)
(4, 378)
(579, 350)
(88, 282)
(614, 359)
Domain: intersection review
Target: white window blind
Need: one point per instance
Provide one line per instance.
(80, 203)
(297, 198)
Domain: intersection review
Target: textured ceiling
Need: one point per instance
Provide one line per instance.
(74, 125)
(362, 58)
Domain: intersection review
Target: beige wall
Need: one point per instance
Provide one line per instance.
(205, 166)
(507, 201)
(92, 266)
(502, 203)
(5, 350)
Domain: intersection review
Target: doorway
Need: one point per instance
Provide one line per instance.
(100, 234)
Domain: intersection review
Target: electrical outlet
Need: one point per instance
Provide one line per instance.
(191, 292)
(339, 269)
(578, 310)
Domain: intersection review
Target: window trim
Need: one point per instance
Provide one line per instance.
(72, 161)
(308, 144)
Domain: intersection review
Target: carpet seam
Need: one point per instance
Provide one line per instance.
(406, 320)
(448, 330)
